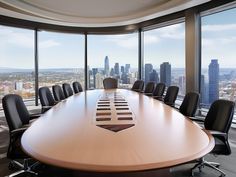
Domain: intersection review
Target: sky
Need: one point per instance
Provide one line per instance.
(163, 44)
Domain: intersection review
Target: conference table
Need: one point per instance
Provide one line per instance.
(115, 130)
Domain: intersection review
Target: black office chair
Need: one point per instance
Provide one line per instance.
(189, 104)
(18, 119)
(77, 87)
(149, 88)
(110, 83)
(138, 86)
(218, 121)
(171, 95)
(58, 93)
(159, 91)
(46, 99)
(67, 90)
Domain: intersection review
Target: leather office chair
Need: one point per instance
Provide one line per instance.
(77, 87)
(58, 93)
(18, 119)
(149, 88)
(171, 95)
(159, 91)
(138, 86)
(218, 121)
(46, 99)
(110, 83)
(67, 90)
(189, 104)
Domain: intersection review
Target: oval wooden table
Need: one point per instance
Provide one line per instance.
(114, 131)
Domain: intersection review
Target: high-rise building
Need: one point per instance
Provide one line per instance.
(165, 73)
(95, 71)
(122, 69)
(153, 76)
(213, 74)
(112, 73)
(203, 91)
(117, 69)
(182, 86)
(127, 68)
(99, 80)
(148, 70)
(106, 66)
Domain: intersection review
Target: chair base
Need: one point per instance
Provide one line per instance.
(202, 163)
(24, 168)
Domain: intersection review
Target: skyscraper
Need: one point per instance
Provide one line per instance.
(148, 70)
(127, 68)
(122, 68)
(117, 69)
(203, 91)
(153, 76)
(213, 73)
(165, 73)
(106, 66)
(95, 71)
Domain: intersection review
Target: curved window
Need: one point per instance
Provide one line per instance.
(61, 58)
(164, 56)
(17, 63)
(112, 56)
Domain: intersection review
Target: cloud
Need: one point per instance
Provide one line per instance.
(151, 39)
(212, 42)
(125, 41)
(48, 44)
(222, 27)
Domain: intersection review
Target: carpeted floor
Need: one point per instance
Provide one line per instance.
(227, 163)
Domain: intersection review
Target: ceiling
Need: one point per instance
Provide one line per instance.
(93, 13)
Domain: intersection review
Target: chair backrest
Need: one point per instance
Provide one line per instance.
(189, 104)
(15, 111)
(171, 95)
(159, 90)
(45, 97)
(149, 87)
(138, 86)
(219, 116)
(67, 90)
(110, 83)
(58, 93)
(77, 87)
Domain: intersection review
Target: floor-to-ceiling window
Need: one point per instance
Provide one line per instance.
(218, 72)
(112, 56)
(61, 58)
(164, 56)
(17, 63)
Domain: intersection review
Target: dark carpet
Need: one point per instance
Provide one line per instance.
(228, 164)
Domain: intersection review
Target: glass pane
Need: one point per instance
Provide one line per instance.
(17, 63)
(164, 56)
(112, 56)
(218, 73)
(61, 58)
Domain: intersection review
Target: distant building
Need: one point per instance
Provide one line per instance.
(153, 76)
(127, 68)
(213, 74)
(165, 73)
(117, 69)
(112, 73)
(182, 85)
(99, 80)
(19, 85)
(122, 69)
(148, 70)
(106, 66)
(94, 71)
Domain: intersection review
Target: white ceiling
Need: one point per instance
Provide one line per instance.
(93, 13)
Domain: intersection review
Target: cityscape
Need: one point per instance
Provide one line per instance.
(216, 82)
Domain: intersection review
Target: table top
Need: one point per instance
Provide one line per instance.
(79, 134)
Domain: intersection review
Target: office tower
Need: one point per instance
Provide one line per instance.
(106, 66)
(112, 73)
(165, 73)
(213, 74)
(95, 71)
(127, 68)
(148, 70)
(182, 86)
(99, 80)
(122, 68)
(117, 69)
(153, 76)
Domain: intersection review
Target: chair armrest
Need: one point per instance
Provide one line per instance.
(197, 119)
(219, 134)
(18, 132)
(34, 116)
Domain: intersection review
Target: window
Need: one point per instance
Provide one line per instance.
(61, 58)
(112, 56)
(164, 56)
(218, 72)
(17, 63)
